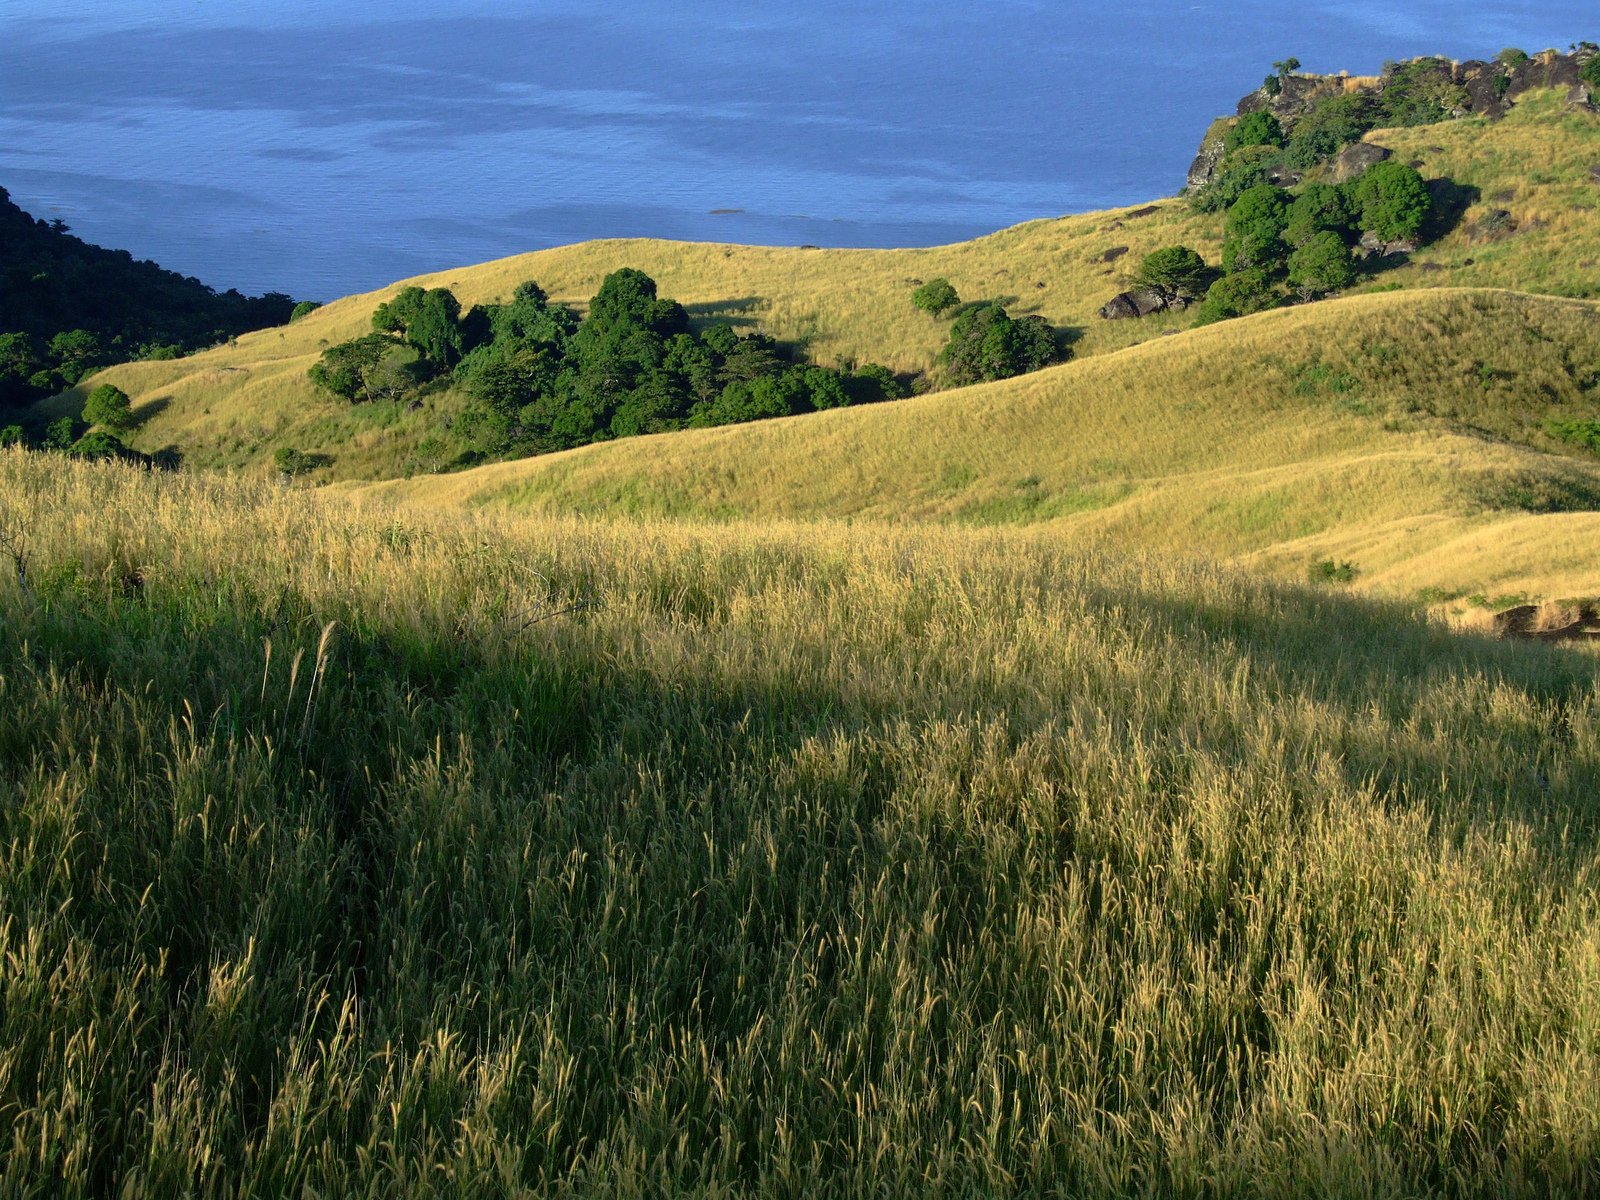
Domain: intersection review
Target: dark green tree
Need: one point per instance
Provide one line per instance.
(78, 352)
(1590, 74)
(369, 368)
(873, 384)
(1177, 270)
(1333, 124)
(435, 330)
(20, 360)
(302, 309)
(1421, 92)
(1253, 236)
(291, 462)
(61, 433)
(1321, 265)
(986, 344)
(396, 315)
(109, 406)
(1390, 201)
(935, 297)
(102, 445)
(1318, 208)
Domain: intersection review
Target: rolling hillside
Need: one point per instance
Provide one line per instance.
(1392, 430)
(232, 406)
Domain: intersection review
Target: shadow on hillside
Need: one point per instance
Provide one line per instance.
(1451, 200)
(727, 312)
(150, 409)
(1361, 658)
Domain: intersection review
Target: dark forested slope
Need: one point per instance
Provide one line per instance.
(68, 307)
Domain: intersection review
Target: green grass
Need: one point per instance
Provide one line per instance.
(808, 860)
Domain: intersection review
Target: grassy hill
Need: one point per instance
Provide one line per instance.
(1396, 430)
(459, 854)
(231, 407)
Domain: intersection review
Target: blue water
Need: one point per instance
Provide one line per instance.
(320, 149)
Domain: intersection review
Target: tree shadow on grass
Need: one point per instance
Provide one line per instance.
(150, 409)
(1451, 200)
(725, 312)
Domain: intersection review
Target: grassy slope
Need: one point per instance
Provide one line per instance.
(824, 862)
(232, 406)
(1373, 428)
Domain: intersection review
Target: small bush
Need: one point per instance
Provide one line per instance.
(1329, 571)
(301, 309)
(1176, 269)
(1238, 295)
(1584, 434)
(1254, 129)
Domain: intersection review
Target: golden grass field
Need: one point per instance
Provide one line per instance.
(480, 856)
(967, 796)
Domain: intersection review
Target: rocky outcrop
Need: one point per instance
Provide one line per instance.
(1296, 95)
(1555, 622)
(1474, 88)
(1371, 245)
(1142, 302)
(1213, 148)
(1355, 160)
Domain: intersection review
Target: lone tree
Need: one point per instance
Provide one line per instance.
(110, 407)
(935, 297)
(1177, 270)
(1321, 265)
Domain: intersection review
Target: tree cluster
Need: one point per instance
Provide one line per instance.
(68, 308)
(986, 343)
(539, 377)
(1306, 238)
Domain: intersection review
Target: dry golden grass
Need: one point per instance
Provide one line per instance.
(811, 860)
(231, 406)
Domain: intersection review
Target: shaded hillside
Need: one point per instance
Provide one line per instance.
(78, 307)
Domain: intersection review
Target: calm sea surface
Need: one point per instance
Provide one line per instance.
(321, 149)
